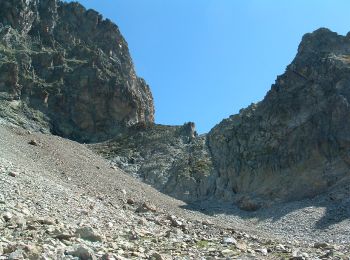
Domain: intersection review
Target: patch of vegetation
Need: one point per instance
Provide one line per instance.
(202, 243)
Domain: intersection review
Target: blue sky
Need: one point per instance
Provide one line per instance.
(206, 59)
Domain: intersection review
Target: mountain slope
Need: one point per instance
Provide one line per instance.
(58, 200)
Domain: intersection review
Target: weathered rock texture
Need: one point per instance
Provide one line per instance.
(69, 70)
(172, 159)
(296, 142)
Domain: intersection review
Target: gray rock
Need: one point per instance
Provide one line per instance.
(2, 199)
(207, 222)
(33, 142)
(146, 207)
(229, 240)
(46, 221)
(17, 255)
(158, 256)
(321, 245)
(7, 216)
(13, 174)
(82, 252)
(263, 251)
(175, 222)
(19, 221)
(88, 233)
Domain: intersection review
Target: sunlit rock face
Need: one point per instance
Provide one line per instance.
(296, 142)
(69, 69)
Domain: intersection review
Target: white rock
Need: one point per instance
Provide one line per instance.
(7, 216)
(229, 240)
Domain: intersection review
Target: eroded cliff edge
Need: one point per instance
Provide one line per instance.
(66, 70)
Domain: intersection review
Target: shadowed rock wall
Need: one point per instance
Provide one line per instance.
(70, 67)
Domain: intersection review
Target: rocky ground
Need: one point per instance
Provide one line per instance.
(58, 200)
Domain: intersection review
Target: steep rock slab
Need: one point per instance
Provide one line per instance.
(296, 142)
(69, 69)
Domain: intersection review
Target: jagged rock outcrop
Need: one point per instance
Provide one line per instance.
(173, 159)
(296, 142)
(66, 70)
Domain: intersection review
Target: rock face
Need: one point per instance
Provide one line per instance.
(66, 70)
(172, 159)
(296, 142)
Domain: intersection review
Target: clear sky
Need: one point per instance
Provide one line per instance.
(206, 59)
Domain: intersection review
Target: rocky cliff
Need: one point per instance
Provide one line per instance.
(66, 70)
(292, 145)
(296, 142)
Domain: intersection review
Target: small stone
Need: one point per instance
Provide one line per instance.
(280, 247)
(207, 222)
(19, 221)
(33, 142)
(158, 256)
(229, 240)
(25, 211)
(242, 246)
(137, 254)
(145, 207)
(13, 174)
(83, 252)
(150, 206)
(64, 236)
(87, 233)
(263, 251)
(17, 255)
(2, 199)
(110, 224)
(107, 257)
(142, 221)
(130, 201)
(46, 221)
(321, 245)
(175, 222)
(226, 252)
(7, 216)
(31, 252)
